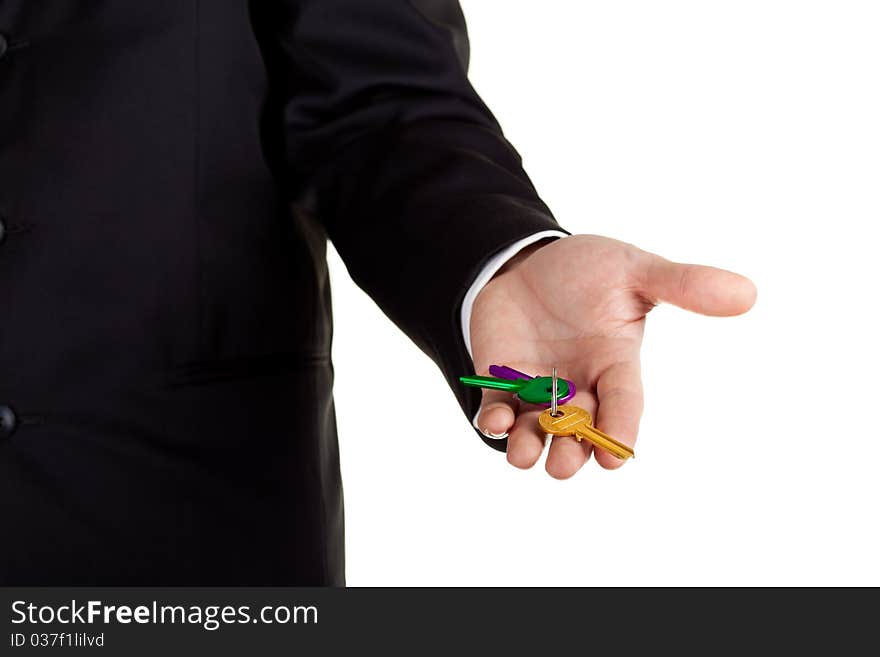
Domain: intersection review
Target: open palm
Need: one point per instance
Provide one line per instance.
(579, 303)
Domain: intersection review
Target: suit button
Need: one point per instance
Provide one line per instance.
(7, 422)
(4, 45)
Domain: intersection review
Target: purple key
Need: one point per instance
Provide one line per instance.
(505, 372)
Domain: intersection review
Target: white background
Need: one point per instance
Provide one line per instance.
(744, 135)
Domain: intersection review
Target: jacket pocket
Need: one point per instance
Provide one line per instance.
(234, 369)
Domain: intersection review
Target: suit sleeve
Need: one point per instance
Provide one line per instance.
(373, 125)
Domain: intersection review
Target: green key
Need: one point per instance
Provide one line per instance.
(533, 391)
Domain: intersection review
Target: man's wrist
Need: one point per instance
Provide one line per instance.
(501, 261)
(520, 256)
(504, 261)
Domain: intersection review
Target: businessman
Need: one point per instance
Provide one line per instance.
(170, 172)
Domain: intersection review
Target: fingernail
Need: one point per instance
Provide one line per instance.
(488, 434)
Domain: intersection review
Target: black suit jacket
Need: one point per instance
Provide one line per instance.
(166, 409)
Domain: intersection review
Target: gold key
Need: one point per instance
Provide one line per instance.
(574, 421)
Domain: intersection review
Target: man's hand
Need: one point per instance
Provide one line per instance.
(579, 303)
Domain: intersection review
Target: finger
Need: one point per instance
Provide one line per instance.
(497, 413)
(526, 441)
(621, 401)
(566, 455)
(704, 290)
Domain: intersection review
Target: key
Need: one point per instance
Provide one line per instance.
(531, 390)
(574, 421)
(505, 372)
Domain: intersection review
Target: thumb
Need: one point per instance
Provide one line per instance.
(700, 289)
